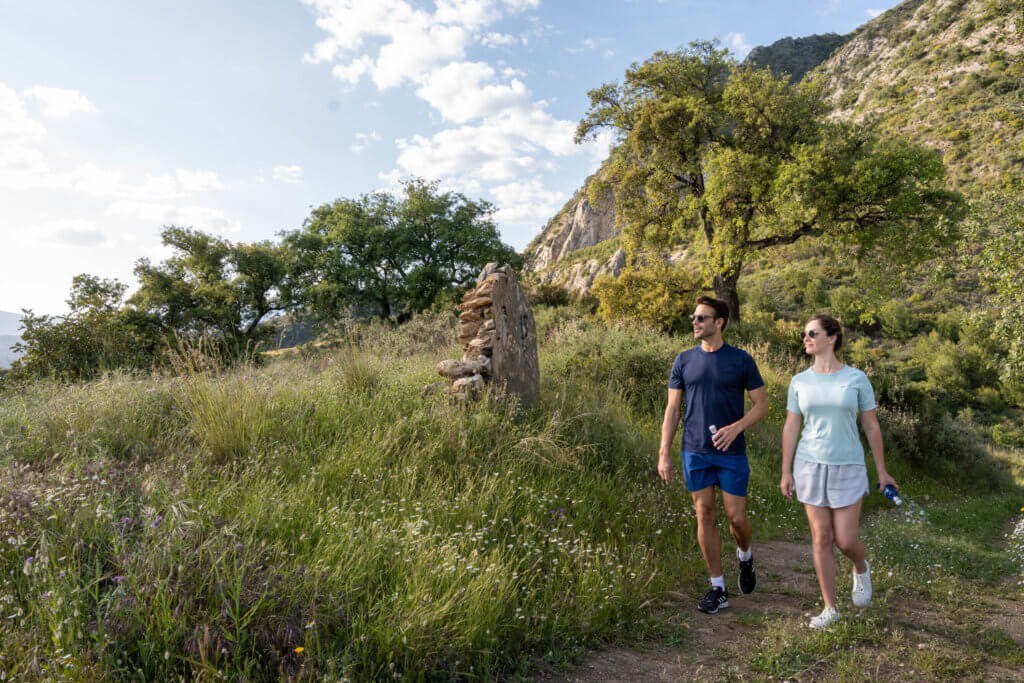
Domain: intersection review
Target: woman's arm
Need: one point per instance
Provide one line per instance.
(790, 434)
(869, 422)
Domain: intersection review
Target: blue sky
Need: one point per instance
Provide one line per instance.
(235, 118)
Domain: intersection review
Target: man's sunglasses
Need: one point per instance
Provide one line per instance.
(701, 318)
(810, 333)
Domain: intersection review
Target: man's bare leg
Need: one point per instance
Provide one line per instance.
(707, 531)
(739, 524)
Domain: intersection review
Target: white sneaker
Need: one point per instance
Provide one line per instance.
(828, 616)
(862, 587)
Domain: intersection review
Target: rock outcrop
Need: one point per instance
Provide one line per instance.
(499, 340)
(579, 277)
(580, 224)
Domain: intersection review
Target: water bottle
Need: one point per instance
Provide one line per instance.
(713, 429)
(892, 494)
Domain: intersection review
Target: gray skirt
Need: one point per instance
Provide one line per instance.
(829, 486)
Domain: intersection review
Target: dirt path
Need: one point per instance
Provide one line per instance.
(787, 587)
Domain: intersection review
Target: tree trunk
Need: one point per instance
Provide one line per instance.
(725, 289)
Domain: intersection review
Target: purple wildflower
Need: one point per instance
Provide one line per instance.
(156, 521)
(118, 578)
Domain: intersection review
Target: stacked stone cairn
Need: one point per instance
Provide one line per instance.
(499, 340)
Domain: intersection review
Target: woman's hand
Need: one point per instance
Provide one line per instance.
(786, 485)
(885, 479)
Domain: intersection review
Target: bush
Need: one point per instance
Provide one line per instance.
(547, 294)
(660, 296)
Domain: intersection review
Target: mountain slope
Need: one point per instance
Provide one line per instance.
(944, 73)
(948, 74)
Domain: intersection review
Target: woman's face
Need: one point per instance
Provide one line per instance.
(815, 339)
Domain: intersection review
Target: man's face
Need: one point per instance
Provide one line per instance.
(704, 322)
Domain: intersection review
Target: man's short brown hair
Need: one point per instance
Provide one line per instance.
(721, 308)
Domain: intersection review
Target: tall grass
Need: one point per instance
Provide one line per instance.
(322, 517)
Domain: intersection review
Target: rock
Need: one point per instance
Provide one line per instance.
(477, 302)
(468, 383)
(462, 368)
(499, 340)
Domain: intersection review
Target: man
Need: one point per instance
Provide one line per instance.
(714, 376)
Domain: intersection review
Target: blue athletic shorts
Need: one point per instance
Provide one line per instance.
(730, 472)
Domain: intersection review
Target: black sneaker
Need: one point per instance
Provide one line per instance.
(715, 600)
(748, 578)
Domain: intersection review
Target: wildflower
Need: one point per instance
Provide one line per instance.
(300, 649)
(118, 578)
(156, 521)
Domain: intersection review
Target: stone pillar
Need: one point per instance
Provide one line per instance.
(499, 339)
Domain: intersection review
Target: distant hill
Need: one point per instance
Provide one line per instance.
(10, 323)
(10, 326)
(6, 355)
(796, 56)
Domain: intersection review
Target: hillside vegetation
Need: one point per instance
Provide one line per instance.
(948, 74)
(322, 518)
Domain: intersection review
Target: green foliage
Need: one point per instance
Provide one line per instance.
(391, 257)
(548, 294)
(211, 286)
(96, 336)
(741, 159)
(994, 241)
(659, 295)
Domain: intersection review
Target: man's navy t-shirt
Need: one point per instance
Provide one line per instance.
(713, 384)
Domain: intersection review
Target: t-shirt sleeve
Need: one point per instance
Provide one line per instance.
(792, 400)
(675, 379)
(865, 394)
(752, 376)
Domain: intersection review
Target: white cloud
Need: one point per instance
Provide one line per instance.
(586, 44)
(363, 139)
(72, 233)
(501, 40)
(738, 43)
(526, 201)
(199, 181)
(462, 91)
(199, 217)
(58, 103)
(287, 174)
(498, 132)
(874, 12)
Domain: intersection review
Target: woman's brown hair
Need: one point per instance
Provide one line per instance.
(832, 327)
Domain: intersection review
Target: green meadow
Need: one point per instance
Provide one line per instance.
(319, 517)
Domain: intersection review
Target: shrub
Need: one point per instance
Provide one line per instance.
(660, 296)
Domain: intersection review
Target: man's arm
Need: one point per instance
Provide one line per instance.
(668, 433)
(727, 434)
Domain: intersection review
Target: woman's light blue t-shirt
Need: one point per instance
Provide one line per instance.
(830, 404)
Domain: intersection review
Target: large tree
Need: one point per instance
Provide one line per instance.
(390, 255)
(212, 286)
(740, 159)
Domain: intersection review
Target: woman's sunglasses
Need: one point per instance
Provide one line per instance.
(810, 333)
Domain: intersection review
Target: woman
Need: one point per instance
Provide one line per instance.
(829, 475)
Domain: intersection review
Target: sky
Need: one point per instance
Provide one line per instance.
(237, 118)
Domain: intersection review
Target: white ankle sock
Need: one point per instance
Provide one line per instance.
(718, 582)
(744, 555)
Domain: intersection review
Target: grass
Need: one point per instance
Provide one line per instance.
(321, 518)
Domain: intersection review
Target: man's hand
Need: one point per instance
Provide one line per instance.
(786, 485)
(665, 469)
(724, 437)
